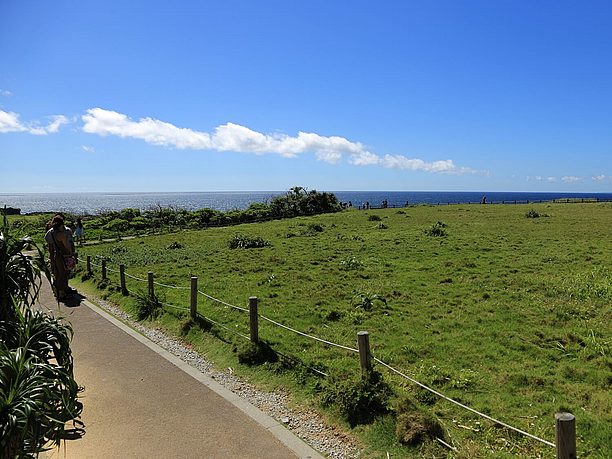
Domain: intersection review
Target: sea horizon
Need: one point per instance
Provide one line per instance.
(88, 203)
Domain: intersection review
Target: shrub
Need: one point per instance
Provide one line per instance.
(147, 306)
(381, 226)
(360, 398)
(242, 241)
(413, 426)
(436, 230)
(299, 201)
(374, 218)
(116, 225)
(532, 214)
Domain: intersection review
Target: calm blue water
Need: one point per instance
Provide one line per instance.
(92, 203)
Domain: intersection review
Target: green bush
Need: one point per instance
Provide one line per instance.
(360, 398)
(532, 214)
(117, 225)
(436, 230)
(242, 241)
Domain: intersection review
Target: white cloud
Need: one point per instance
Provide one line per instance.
(88, 149)
(571, 178)
(6, 93)
(9, 122)
(551, 179)
(107, 122)
(599, 178)
(237, 138)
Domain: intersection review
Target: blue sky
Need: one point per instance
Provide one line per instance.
(332, 95)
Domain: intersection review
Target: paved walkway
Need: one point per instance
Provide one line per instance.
(142, 402)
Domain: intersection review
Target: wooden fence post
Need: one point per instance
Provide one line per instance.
(365, 358)
(124, 290)
(254, 325)
(194, 297)
(565, 424)
(103, 268)
(151, 285)
(88, 264)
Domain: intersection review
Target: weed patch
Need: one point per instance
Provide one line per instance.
(414, 426)
(242, 241)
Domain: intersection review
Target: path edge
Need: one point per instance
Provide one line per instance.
(279, 431)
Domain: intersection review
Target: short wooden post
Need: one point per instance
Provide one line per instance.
(565, 424)
(365, 358)
(124, 290)
(103, 268)
(151, 285)
(88, 264)
(253, 319)
(194, 297)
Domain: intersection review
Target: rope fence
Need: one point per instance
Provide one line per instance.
(212, 298)
(565, 422)
(135, 278)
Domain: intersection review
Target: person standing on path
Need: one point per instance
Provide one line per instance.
(78, 232)
(60, 246)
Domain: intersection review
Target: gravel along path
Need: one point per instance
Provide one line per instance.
(305, 423)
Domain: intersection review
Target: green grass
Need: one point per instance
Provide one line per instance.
(510, 315)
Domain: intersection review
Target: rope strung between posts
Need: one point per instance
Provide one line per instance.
(95, 264)
(173, 306)
(309, 336)
(223, 302)
(433, 391)
(135, 278)
(223, 326)
(171, 286)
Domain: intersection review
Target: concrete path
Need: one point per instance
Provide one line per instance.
(142, 402)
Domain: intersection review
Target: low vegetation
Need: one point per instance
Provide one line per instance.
(507, 314)
(118, 224)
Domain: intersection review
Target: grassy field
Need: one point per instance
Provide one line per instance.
(507, 314)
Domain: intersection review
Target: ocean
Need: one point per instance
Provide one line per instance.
(93, 203)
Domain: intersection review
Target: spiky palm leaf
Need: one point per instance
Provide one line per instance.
(20, 272)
